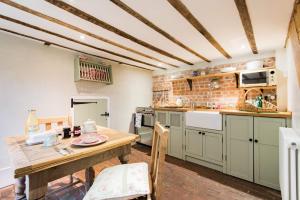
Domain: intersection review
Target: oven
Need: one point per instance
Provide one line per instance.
(144, 124)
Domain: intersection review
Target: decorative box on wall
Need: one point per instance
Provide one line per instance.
(85, 70)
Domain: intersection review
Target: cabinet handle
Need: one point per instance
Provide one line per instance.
(203, 133)
(199, 132)
(250, 139)
(256, 141)
(167, 126)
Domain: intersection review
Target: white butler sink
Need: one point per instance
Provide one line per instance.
(204, 119)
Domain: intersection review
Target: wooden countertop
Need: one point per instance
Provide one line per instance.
(172, 109)
(230, 112)
(255, 114)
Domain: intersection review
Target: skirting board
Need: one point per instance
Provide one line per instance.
(204, 163)
(7, 177)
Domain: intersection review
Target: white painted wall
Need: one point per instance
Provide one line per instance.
(289, 59)
(293, 86)
(36, 76)
(282, 78)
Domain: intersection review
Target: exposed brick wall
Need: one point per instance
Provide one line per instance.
(166, 91)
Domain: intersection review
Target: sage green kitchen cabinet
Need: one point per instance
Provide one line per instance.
(204, 145)
(266, 150)
(176, 134)
(162, 117)
(239, 131)
(213, 147)
(193, 142)
(174, 121)
(253, 148)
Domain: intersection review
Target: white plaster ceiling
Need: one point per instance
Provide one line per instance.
(270, 19)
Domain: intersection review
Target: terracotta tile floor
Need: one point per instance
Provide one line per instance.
(183, 180)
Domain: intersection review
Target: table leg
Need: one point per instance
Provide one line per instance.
(89, 177)
(37, 185)
(20, 188)
(124, 159)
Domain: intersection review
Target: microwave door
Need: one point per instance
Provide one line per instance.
(254, 79)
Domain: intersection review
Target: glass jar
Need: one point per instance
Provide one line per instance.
(32, 122)
(76, 131)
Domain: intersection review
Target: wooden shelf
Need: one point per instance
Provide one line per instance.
(218, 74)
(236, 73)
(206, 76)
(260, 88)
(190, 79)
(165, 90)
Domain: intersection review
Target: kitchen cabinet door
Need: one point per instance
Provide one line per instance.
(239, 130)
(162, 117)
(212, 147)
(266, 150)
(193, 142)
(176, 134)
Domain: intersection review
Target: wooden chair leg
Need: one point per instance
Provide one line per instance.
(71, 178)
(20, 187)
(124, 159)
(89, 178)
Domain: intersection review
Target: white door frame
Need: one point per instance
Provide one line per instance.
(93, 98)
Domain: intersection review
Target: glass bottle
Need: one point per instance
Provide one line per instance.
(32, 122)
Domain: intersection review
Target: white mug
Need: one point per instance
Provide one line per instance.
(50, 139)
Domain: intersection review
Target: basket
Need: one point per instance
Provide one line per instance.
(249, 107)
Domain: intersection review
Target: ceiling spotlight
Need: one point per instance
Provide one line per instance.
(159, 64)
(82, 37)
(243, 46)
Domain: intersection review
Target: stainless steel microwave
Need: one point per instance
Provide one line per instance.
(263, 77)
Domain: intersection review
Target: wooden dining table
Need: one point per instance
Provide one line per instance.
(35, 166)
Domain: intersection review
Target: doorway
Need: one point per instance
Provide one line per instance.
(93, 108)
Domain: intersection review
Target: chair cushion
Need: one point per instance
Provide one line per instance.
(120, 182)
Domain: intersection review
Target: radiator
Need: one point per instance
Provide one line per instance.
(289, 145)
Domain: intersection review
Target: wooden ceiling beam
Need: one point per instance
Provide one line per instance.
(296, 2)
(246, 21)
(75, 41)
(138, 16)
(184, 11)
(79, 13)
(75, 28)
(72, 49)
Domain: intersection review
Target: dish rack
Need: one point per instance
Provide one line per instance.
(245, 105)
(85, 70)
